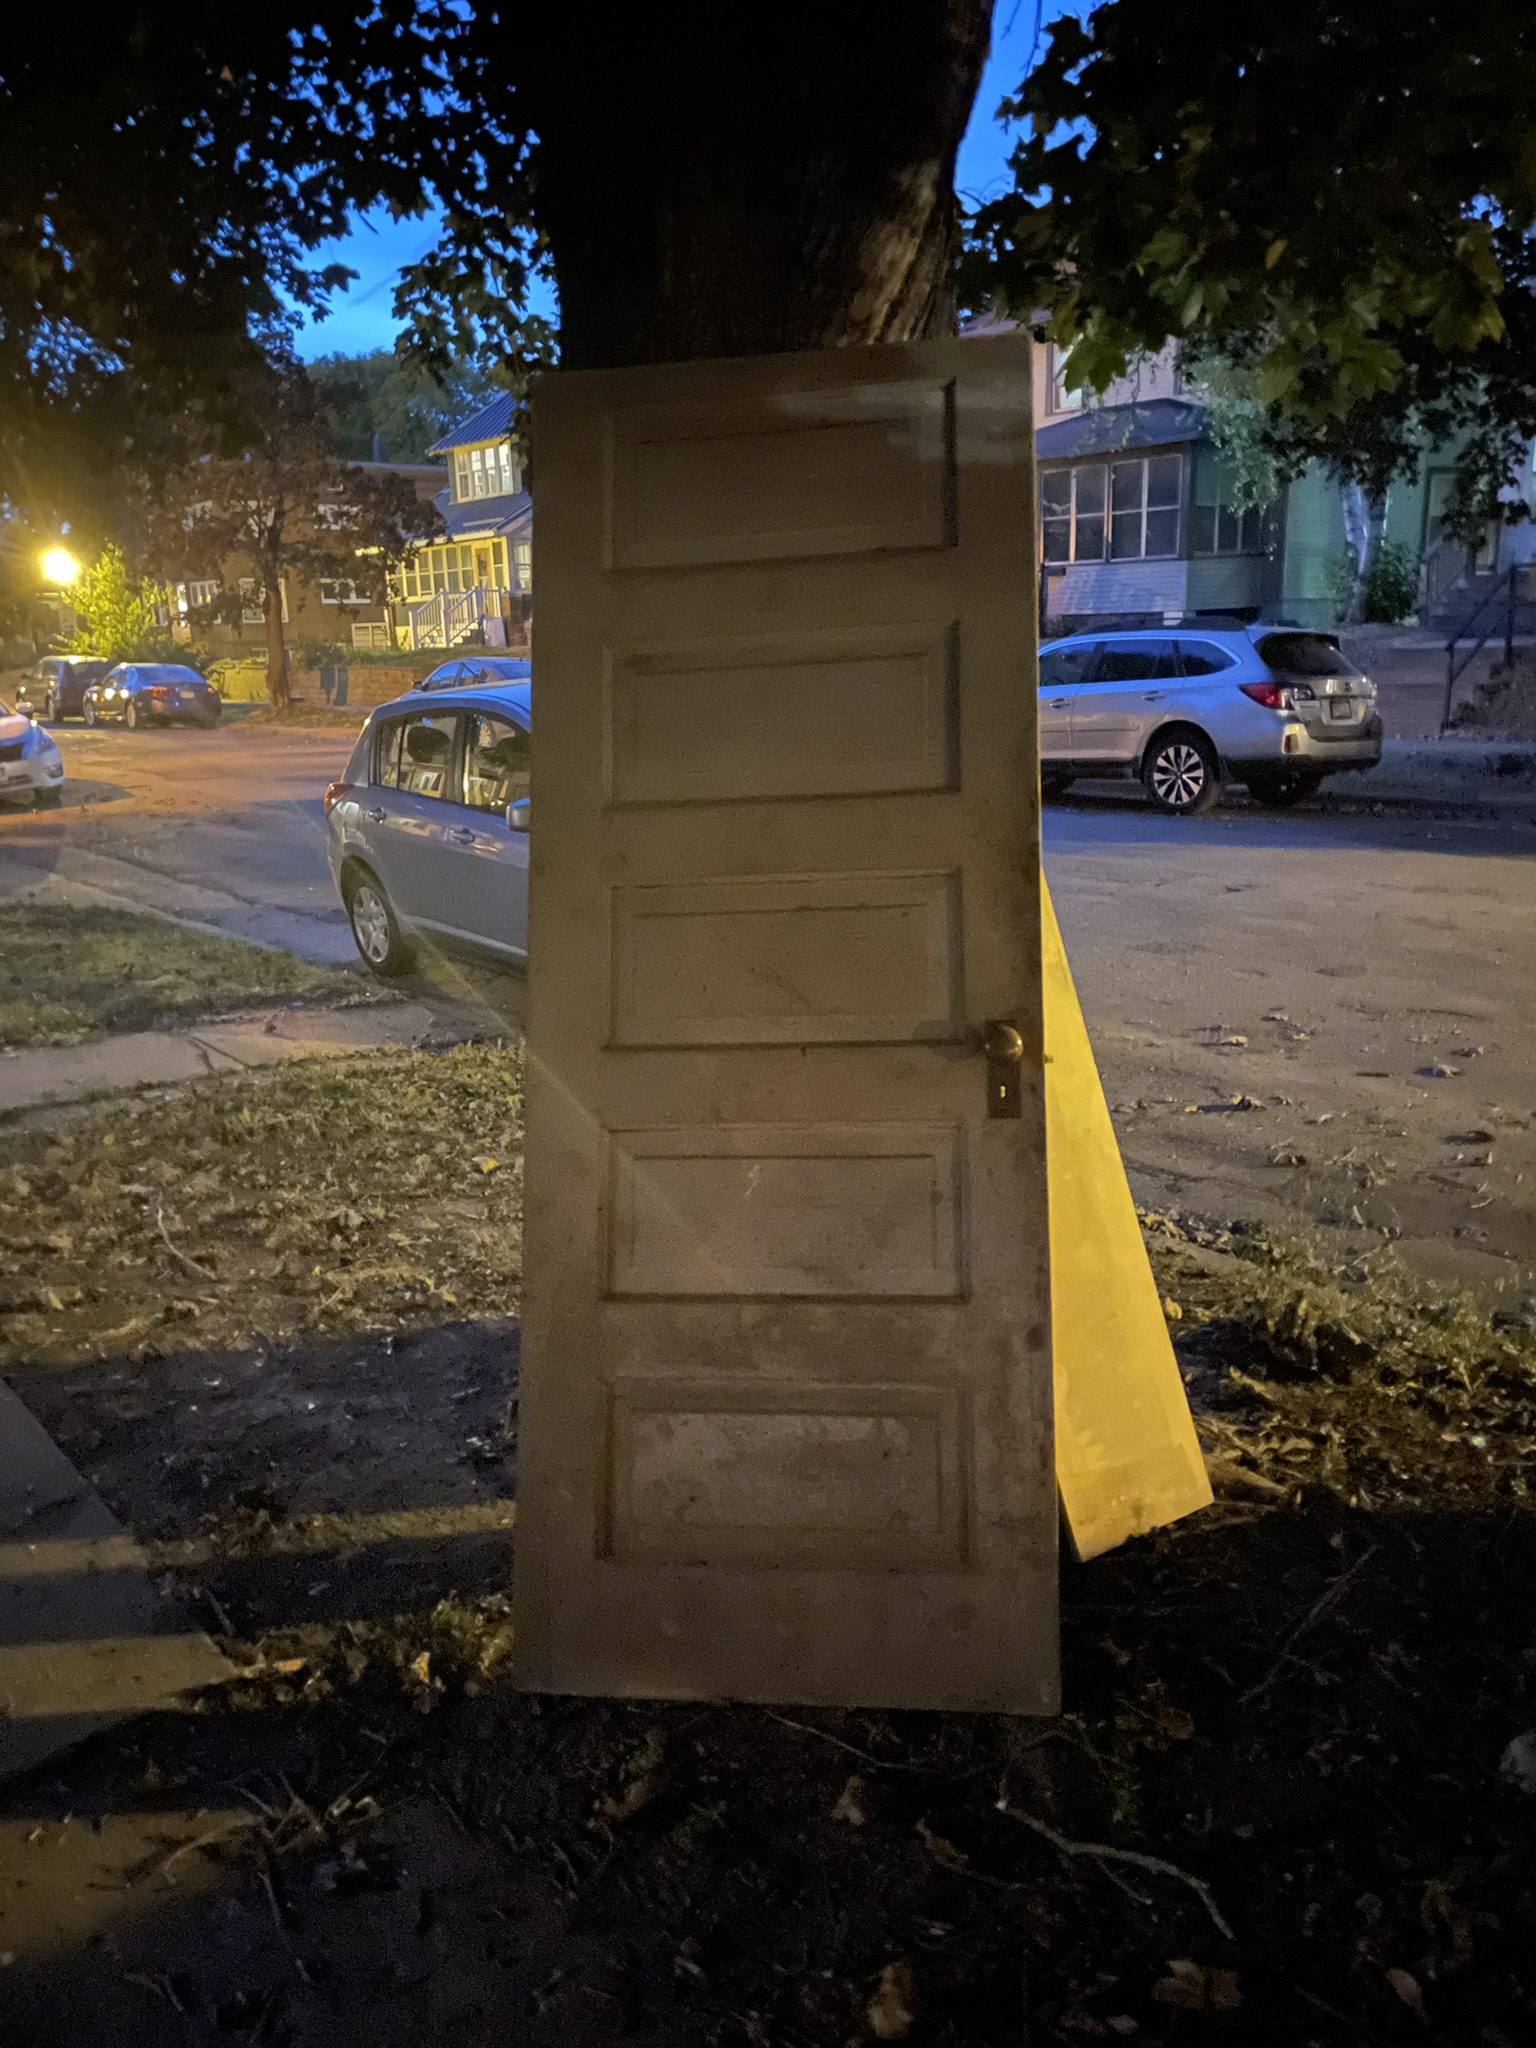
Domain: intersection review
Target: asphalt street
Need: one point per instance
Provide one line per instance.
(1311, 1018)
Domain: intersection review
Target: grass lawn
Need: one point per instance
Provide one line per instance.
(68, 975)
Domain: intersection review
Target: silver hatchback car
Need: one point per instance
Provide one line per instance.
(428, 826)
(1187, 709)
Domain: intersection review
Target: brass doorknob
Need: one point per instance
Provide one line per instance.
(1002, 1042)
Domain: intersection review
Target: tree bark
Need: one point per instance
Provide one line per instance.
(743, 182)
(277, 651)
(1365, 521)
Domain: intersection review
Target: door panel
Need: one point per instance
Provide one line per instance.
(1130, 690)
(416, 769)
(1063, 673)
(490, 860)
(785, 1380)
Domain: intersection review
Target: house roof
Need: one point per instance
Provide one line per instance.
(1103, 429)
(510, 518)
(490, 423)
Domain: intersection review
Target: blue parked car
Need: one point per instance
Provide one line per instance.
(141, 693)
(428, 827)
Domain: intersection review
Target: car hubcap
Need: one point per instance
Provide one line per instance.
(370, 923)
(1178, 775)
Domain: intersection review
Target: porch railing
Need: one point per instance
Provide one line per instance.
(454, 616)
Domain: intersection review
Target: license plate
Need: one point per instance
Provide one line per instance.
(1341, 707)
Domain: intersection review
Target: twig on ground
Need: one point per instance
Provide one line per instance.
(1103, 1852)
(1315, 1612)
(837, 1742)
(175, 1250)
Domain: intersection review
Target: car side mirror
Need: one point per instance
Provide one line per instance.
(519, 815)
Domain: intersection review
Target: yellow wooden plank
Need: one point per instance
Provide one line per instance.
(1127, 1459)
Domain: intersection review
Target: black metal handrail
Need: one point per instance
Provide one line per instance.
(1505, 590)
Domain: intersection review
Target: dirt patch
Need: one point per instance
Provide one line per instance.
(69, 974)
(1504, 707)
(1286, 1803)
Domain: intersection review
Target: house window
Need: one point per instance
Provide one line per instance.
(340, 590)
(370, 634)
(487, 471)
(1216, 527)
(453, 567)
(197, 594)
(522, 561)
(252, 612)
(1063, 397)
(1121, 511)
(1144, 501)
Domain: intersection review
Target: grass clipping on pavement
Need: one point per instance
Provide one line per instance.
(327, 1196)
(70, 974)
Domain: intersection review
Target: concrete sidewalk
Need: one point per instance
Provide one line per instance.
(85, 1637)
(43, 1076)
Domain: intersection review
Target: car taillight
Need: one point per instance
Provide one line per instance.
(157, 690)
(1273, 696)
(334, 793)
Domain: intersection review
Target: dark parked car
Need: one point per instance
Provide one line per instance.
(151, 693)
(57, 685)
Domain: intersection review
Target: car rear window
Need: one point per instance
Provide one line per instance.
(1305, 654)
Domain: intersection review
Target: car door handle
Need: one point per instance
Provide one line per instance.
(377, 816)
(1153, 696)
(1060, 703)
(462, 836)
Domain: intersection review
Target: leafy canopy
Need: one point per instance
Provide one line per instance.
(116, 612)
(164, 184)
(1336, 197)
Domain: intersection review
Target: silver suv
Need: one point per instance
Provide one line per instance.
(1188, 709)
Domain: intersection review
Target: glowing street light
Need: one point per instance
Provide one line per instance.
(59, 567)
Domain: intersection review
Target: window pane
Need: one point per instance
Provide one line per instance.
(1125, 535)
(1251, 539)
(387, 754)
(1134, 661)
(1090, 539)
(1090, 488)
(1163, 532)
(1204, 658)
(1126, 481)
(426, 752)
(1055, 491)
(1163, 477)
(495, 763)
(1065, 667)
(1202, 529)
(1058, 539)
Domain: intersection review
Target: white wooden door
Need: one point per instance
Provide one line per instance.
(786, 1381)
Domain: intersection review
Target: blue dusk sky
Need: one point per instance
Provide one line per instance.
(362, 320)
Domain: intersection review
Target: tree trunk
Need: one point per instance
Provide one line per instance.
(277, 651)
(1365, 521)
(782, 181)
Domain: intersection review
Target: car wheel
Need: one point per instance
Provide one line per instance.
(88, 711)
(51, 708)
(375, 928)
(1280, 790)
(1053, 785)
(47, 799)
(131, 715)
(1182, 773)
